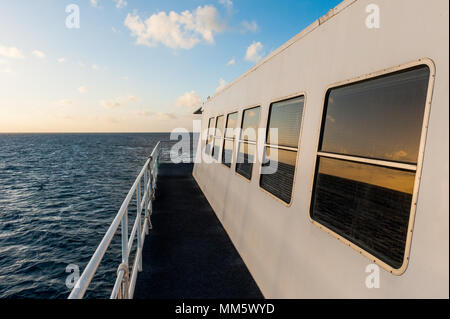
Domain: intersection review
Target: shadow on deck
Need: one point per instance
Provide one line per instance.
(188, 253)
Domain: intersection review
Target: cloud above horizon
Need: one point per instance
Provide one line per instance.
(254, 52)
(82, 89)
(226, 3)
(251, 26)
(11, 52)
(222, 84)
(176, 30)
(189, 100)
(38, 54)
(118, 102)
(120, 4)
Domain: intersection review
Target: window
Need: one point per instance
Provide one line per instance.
(247, 142)
(281, 149)
(228, 142)
(367, 161)
(210, 133)
(218, 135)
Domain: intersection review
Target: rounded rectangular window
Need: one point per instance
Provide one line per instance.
(281, 148)
(218, 135)
(228, 141)
(368, 160)
(210, 136)
(247, 143)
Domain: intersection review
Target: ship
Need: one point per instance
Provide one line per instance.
(321, 172)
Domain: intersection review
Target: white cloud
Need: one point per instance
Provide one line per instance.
(189, 100)
(251, 26)
(176, 30)
(231, 62)
(120, 4)
(61, 60)
(158, 115)
(118, 102)
(64, 103)
(94, 3)
(5, 66)
(95, 67)
(82, 89)
(254, 53)
(222, 85)
(126, 78)
(145, 113)
(38, 54)
(166, 116)
(226, 3)
(11, 52)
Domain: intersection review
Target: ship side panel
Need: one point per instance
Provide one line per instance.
(287, 254)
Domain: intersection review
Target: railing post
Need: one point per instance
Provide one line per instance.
(125, 283)
(147, 192)
(139, 225)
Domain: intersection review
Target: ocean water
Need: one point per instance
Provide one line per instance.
(58, 196)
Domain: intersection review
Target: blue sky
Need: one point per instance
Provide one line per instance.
(132, 65)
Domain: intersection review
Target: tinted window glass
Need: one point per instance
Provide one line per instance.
(227, 153)
(281, 182)
(219, 126)
(231, 124)
(210, 133)
(216, 148)
(250, 124)
(286, 116)
(378, 118)
(218, 137)
(245, 159)
(368, 205)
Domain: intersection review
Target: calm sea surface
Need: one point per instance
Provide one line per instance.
(58, 196)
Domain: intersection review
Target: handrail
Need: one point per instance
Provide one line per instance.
(123, 288)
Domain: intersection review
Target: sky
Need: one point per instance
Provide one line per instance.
(132, 65)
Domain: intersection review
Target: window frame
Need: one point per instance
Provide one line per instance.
(233, 139)
(217, 137)
(286, 98)
(417, 168)
(239, 140)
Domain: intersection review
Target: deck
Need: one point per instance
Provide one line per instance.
(188, 254)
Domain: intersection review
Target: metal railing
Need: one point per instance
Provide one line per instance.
(126, 283)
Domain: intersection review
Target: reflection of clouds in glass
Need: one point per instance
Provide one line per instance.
(286, 117)
(219, 126)
(398, 180)
(331, 119)
(250, 124)
(378, 118)
(398, 156)
(231, 124)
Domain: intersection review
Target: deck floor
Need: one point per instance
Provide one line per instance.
(188, 253)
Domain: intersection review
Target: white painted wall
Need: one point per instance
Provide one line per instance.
(287, 255)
